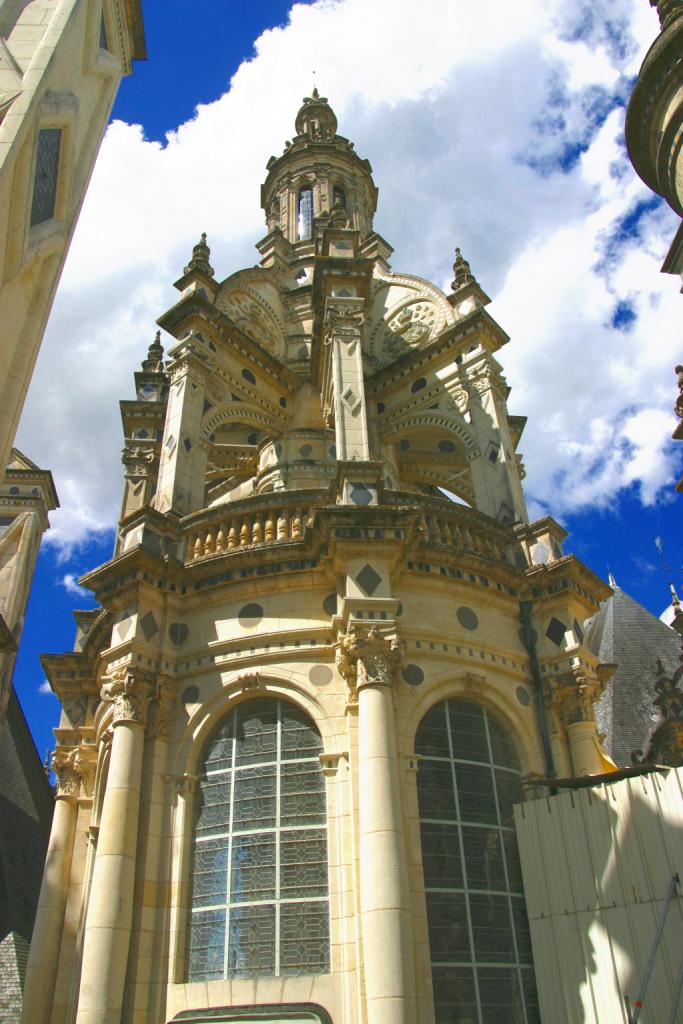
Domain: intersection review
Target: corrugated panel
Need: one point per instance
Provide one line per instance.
(597, 865)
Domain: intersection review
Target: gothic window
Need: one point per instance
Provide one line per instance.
(259, 878)
(45, 180)
(469, 778)
(305, 213)
(339, 196)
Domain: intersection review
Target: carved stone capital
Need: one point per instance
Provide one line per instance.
(572, 697)
(367, 659)
(138, 461)
(73, 768)
(343, 319)
(129, 691)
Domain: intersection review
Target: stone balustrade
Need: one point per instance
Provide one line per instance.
(256, 522)
(233, 532)
(449, 530)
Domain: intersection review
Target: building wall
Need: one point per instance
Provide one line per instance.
(597, 864)
(53, 74)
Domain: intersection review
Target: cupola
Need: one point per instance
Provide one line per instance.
(318, 179)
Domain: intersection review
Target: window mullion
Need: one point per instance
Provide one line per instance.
(278, 776)
(228, 900)
(505, 866)
(470, 930)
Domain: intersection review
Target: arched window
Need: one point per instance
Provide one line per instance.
(259, 877)
(305, 213)
(479, 942)
(339, 196)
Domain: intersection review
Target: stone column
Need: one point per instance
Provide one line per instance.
(343, 324)
(574, 696)
(384, 892)
(110, 906)
(182, 464)
(41, 971)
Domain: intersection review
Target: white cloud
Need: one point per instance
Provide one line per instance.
(44, 687)
(72, 587)
(467, 114)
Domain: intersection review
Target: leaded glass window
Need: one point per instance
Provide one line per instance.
(469, 778)
(259, 878)
(45, 180)
(305, 213)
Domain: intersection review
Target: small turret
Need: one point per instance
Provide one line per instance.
(200, 258)
(467, 294)
(154, 363)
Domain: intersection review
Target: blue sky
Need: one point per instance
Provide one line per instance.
(497, 127)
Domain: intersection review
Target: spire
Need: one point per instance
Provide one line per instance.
(200, 258)
(463, 274)
(155, 356)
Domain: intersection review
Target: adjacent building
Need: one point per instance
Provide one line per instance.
(61, 62)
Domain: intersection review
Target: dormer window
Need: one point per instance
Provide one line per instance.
(305, 213)
(339, 197)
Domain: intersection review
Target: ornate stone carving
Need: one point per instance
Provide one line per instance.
(159, 723)
(138, 461)
(666, 744)
(250, 312)
(129, 691)
(572, 696)
(343, 320)
(367, 659)
(72, 768)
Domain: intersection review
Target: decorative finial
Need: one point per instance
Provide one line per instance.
(154, 363)
(200, 258)
(610, 579)
(463, 274)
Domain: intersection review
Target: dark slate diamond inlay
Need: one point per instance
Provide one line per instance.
(578, 631)
(368, 579)
(360, 494)
(149, 625)
(556, 631)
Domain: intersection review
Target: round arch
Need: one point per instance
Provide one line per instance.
(521, 724)
(244, 687)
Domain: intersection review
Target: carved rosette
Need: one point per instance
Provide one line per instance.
(129, 692)
(367, 659)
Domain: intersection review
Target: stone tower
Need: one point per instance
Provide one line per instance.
(328, 648)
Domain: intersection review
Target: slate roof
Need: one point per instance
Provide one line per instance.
(26, 805)
(625, 633)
